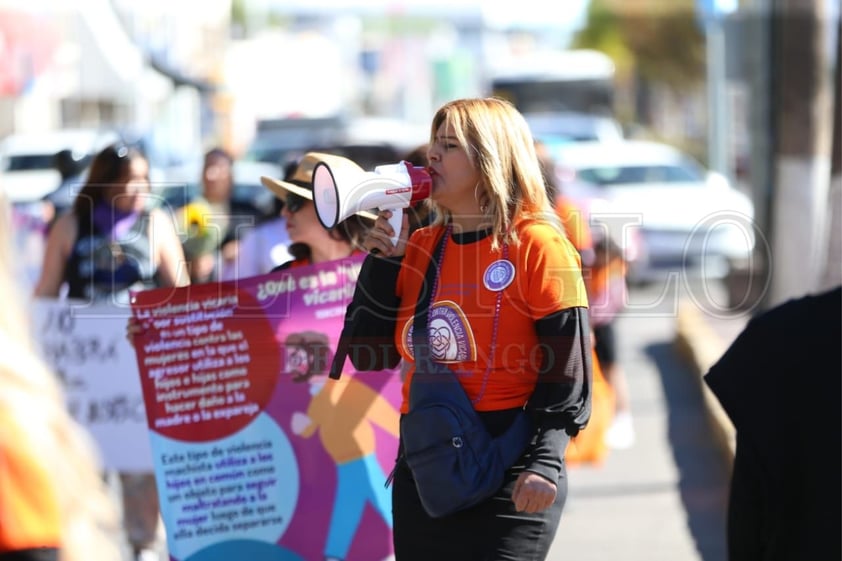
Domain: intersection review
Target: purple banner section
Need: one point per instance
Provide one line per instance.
(258, 455)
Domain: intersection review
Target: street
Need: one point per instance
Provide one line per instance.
(665, 498)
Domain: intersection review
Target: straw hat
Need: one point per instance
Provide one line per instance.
(300, 182)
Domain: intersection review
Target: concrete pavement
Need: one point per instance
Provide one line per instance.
(666, 497)
(701, 338)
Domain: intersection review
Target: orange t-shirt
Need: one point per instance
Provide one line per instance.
(29, 510)
(547, 279)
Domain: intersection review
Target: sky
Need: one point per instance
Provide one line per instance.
(497, 13)
(567, 14)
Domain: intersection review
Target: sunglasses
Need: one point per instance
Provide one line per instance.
(294, 203)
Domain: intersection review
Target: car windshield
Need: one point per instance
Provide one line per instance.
(620, 175)
(270, 152)
(29, 162)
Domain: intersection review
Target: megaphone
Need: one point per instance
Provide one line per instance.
(342, 188)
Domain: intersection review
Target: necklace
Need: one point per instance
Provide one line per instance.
(497, 306)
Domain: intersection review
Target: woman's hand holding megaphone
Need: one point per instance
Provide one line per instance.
(379, 238)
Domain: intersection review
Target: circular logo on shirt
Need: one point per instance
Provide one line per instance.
(499, 275)
(450, 336)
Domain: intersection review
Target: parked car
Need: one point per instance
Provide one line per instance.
(183, 186)
(690, 219)
(369, 141)
(279, 140)
(27, 167)
(558, 128)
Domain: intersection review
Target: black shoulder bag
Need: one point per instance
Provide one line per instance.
(454, 460)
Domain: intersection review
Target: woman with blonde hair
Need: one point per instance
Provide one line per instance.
(53, 502)
(503, 289)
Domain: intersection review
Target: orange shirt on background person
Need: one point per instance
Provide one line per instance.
(605, 282)
(29, 511)
(575, 224)
(589, 446)
(601, 284)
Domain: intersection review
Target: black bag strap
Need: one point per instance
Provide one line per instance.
(420, 340)
(421, 347)
(341, 353)
(512, 442)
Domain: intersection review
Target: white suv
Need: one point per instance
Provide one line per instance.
(27, 169)
(565, 126)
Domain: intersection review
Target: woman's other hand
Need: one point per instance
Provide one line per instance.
(533, 493)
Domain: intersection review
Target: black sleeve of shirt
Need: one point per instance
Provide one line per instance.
(561, 401)
(368, 334)
(34, 554)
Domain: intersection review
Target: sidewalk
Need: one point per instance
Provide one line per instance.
(701, 338)
(663, 499)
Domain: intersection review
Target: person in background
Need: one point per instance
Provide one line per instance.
(780, 382)
(605, 280)
(53, 503)
(200, 254)
(108, 245)
(491, 207)
(310, 242)
(573, 217)
(604, 271)
(266, 246)
(227, 219)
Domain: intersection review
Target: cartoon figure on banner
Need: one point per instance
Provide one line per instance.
(344, 413)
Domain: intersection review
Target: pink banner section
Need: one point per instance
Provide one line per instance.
(258, 455)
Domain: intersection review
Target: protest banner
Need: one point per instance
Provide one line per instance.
(29, 240)
(85, 344)
(257, 454)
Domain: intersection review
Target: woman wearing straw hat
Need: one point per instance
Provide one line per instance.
(310, 241)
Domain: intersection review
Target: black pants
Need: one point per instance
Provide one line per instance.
(605, 344)
(490, 531)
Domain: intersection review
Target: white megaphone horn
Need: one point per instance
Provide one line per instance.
(342, 188)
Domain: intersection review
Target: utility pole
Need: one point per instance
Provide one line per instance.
(801, 137)
(719, 156)
(833, 268)
(712, 14)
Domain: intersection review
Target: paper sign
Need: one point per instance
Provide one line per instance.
(87, 348)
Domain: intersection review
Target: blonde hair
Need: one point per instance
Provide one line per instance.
(499, 143)
(30, 395)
